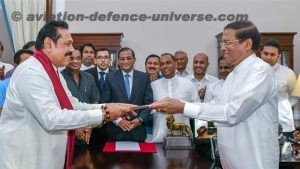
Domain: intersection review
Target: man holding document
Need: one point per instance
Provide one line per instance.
(246, 107)
(39, 115)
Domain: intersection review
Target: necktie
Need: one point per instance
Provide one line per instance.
(127, 84)
(101, 81)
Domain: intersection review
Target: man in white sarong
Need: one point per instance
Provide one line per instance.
(173, 87)
(246, 107)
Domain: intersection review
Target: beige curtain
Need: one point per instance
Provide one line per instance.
(26, 18)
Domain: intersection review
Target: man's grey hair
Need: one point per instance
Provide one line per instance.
(181, 52)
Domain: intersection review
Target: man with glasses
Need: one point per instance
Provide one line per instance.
(40, 114)
(102, 62)
(245, 108)
(128, 85)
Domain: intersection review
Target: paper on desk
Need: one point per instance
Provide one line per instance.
(127, 146)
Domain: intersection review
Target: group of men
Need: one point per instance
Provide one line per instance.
(45, 110)
(91, 80)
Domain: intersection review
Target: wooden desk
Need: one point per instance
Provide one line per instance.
(94, 158)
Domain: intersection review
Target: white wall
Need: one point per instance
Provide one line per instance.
(157, 37)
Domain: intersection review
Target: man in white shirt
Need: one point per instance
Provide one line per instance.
(286, 78)
(215, 87)
(174, 87)
(182, 61)
(4, 67)
(246, 107)
(88, 54)
(39, 109)
(200, 80)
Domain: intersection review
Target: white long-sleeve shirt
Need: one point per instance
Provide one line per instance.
(33, 128)
(287, 80)
(207, 79)
(247, 116)
(177, 88)
(203, 83)
(213, 89)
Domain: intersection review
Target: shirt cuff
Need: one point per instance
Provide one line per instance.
(96, 117)
(116, 122)
(191, 110)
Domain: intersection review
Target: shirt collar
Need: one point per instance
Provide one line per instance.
(173, 78)
(245, 63)
(70, 73)
(99, 70)
(276, 66)
(186, 72)
(204, 78)
(130, 73)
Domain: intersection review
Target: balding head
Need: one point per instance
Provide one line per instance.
(202, 55)
(200, 63)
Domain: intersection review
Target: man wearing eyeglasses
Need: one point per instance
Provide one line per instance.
(245, 108)
(40, 114)
(102, 67)
(102, 62)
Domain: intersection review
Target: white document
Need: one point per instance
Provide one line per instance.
(127, 146)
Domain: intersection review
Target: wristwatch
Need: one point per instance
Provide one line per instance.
(141, 120)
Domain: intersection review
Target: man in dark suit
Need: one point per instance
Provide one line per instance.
(102, 61)
(127, 85)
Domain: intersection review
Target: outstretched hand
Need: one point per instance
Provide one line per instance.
(168, 105)
(122, 110)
